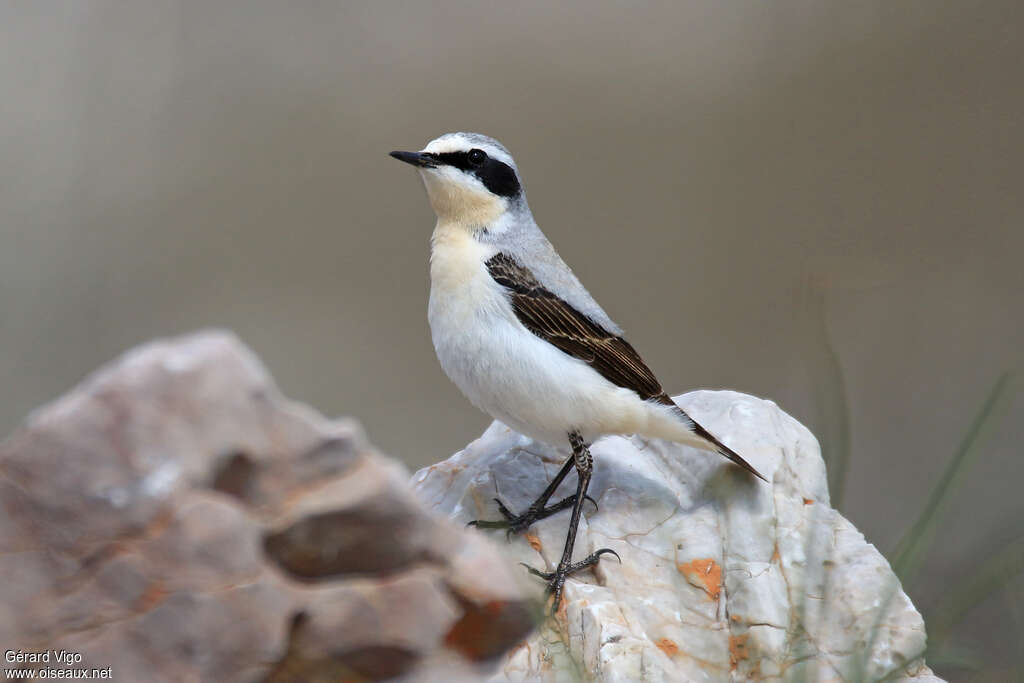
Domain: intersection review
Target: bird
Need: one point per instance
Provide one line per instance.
(522, 338)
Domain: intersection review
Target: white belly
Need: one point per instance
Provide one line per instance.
(510, 373)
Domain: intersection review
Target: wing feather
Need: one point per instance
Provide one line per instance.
(561, 325)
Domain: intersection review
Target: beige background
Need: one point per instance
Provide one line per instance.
(784, 198)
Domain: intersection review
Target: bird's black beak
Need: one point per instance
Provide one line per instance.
(416, 159)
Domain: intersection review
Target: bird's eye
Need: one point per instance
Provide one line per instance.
(476, 157)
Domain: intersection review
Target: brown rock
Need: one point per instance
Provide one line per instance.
(175, 518)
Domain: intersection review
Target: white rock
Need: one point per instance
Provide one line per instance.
(723, 577)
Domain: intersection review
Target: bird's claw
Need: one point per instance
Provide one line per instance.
(556, 579)
(505, 512)
(514, 524)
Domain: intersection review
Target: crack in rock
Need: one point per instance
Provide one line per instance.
(666, 505)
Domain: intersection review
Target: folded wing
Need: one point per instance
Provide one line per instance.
(558, 323)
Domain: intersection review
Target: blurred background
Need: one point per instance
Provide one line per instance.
(817, 202)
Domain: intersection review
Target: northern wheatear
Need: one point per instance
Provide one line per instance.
(520, 336)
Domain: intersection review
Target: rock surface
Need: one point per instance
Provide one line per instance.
(174, 518)
(723, 577)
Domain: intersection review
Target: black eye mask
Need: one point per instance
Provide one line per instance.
(497, 176)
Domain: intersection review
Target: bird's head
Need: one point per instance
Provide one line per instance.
(470, 178)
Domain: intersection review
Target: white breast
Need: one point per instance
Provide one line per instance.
(466, 310)
(461, 289)
(503, 368)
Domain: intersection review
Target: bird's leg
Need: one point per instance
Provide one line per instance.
(584, 464)
(538, 510)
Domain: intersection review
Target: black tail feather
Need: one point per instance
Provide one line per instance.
(708, 436)
(725, 450)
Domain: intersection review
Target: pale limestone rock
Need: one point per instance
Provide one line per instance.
(175, 518)
(723, 577)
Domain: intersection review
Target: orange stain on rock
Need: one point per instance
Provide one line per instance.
(667, 646)
(560, 612)
(533, 541)
(737, 650)
(706, 574)
(151, 597)
(475, 635)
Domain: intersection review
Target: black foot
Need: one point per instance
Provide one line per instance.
(556, 579)
(515, 524)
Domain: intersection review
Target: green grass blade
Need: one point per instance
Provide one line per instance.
(993, 575)
(839, 420)
(910, 550)
(915, 542)
(832, 418)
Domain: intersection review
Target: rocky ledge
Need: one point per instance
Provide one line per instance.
(723, 577)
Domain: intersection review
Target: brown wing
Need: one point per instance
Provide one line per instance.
(562, 326)
(558, 323)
